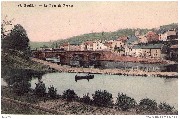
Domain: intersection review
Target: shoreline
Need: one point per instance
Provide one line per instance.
(61, 106)
(69, 69)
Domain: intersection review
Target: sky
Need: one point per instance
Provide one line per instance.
(52, 23)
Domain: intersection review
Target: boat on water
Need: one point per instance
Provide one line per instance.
(80, 77)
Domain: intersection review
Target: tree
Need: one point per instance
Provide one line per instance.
(125, 102)
(40, 89)
(17, 39)
(4, 30)
(102, 98)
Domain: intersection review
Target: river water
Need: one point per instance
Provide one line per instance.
(137, 87)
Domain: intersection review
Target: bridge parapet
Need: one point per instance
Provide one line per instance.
(67, 56)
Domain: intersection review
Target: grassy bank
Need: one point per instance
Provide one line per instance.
(60, 105)
(17, 60)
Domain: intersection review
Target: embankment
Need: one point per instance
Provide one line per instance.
(106, 71)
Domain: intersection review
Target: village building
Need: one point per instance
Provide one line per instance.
(70, 47)
(168, 35)
(157, 51)
(88, 45)
(173, 55)
(118, 46)
(108, 45)
(99, 45)
(142, 39)
(120, 42)
(152, 36)
(93, 46)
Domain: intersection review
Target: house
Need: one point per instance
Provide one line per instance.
(108, 45)
(74, 47)
(157, 51)
(152, 36)
(142, 39)
(99, 45)
(132, 40)
(168, 35)
(88, 45)
(119, 43)
(93, 45)
(173, 55)
(70, 47)
(64, 46)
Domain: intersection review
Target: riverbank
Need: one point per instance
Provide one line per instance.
(14, 61)
(28, 105)
(106, 71)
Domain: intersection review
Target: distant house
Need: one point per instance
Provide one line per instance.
(88, 45)
(108, 44)
(132, 40)
(74, 47)
(93, 45)
(120, 41)
(99, 45)
(157, 51)
(142, 39)
(152, 36)
(168, 35)
(119, 44)
(173, 55)
(70, 47)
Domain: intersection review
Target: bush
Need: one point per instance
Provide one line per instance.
(124, 102)
(69, 95)
(102, 98)
(21, 87)
(52, 92)
(165, 107)
(148, 104)
(86, 99)
(40, 89)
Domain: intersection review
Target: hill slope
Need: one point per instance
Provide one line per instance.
(101, 36)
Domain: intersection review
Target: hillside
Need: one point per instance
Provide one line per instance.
(102, 36)
(15, 61)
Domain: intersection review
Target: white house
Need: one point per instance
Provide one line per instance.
(88, 45)
(170, 34)
(99, 45)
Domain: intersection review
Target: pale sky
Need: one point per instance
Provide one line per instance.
(45, 24)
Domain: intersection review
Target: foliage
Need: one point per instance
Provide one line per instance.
(17, 39)
(168, 27)
(124, 102)
(102, 98)
(21, 87)
(148, 104)
(69, 95)
(86, 99)
(40, 89)
(52, 92)
(165, 107)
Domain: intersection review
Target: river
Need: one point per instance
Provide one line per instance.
(137, 87)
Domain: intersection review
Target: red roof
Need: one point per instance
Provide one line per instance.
(152, 36)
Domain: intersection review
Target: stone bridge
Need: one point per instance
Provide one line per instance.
(66, 57)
